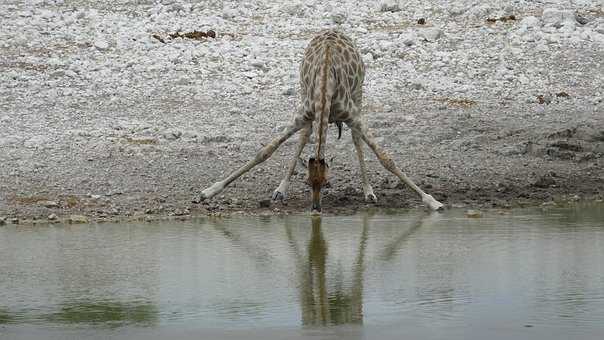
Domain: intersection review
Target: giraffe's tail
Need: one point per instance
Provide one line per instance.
(339, 125)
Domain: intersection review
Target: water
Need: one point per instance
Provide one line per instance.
(526, 274)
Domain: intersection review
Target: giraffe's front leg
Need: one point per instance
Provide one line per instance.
(387, 162)
(367, 189)
(261, 156)
(212, 190)
(281, 192)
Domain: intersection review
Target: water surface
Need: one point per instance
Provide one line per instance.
(530, 273)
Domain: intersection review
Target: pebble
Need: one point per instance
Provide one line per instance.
(101, 44)
(530, 22)
(76, 219)
(390, 6)
(408, 39)
(430, 33)
(172, 134)
(554, 17)
(544, 182)
(2, 220)
(52, 217)
(49, 204)
(338, 18)
(289, 91)
(473, 213)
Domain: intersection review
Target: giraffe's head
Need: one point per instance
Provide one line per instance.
(317, 178)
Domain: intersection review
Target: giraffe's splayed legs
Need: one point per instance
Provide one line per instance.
(359, 127)
(261, 156)
(281, 192)
(367, 189)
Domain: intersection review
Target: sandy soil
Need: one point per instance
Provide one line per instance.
(104, 114)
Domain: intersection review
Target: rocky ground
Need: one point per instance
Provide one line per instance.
(112, 109)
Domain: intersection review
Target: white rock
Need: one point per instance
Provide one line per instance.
(229, 13)
(93, 13)
(338, 18)
(559, 18)
(409, 38)
(36, 141)
(101, 44)
(455, 10)
(390, 6)
(530, 22)
(430, 33)
(297, 10)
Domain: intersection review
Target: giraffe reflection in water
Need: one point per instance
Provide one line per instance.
(323, 302)
(319, 305)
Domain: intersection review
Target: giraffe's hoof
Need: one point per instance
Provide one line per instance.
(433, 204)
(279, 196)
(371, 198)
(439, 208)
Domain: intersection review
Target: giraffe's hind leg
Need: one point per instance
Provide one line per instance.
(358, 126)
(281, 192)
(367, 189)
(261, 156)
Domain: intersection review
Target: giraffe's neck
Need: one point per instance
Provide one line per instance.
(325, 104)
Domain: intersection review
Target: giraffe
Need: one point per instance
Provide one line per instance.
(331, 81)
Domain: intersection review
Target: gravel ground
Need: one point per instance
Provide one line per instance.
(105, 111)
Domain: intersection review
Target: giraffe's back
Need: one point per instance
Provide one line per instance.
(347, 68)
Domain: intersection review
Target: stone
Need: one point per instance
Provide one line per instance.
(544, 182)
(473, 213)
(2, 220)
(229, 13)
(408, 39)
(52, 217)
(172, 134)
(338, 18)
(297, 10)
(511, 150)
(430, 33)
(49, 204)
(76, 219)
(559, 18)
(582, 20)
(417, 86)
(264, 203)
(455, 11)
(101, 44)
(36, 142)
(290, 91)
(530, 22)
(390, 6)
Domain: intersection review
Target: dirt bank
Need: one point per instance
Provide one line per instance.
(101, 118)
